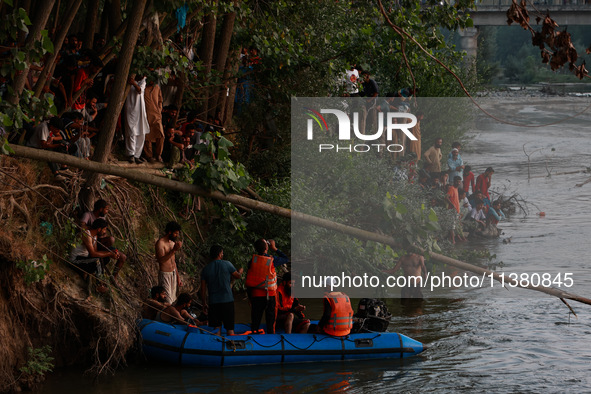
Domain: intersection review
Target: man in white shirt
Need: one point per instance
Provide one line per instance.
(351, 87)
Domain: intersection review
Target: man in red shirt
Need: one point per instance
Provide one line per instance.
(483, 182)
(83, 80)
(468, 180)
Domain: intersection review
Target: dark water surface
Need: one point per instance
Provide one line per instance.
(489, 339)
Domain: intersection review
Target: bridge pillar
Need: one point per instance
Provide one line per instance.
(469, 42)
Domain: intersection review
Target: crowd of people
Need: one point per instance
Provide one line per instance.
(357, 82)
(268, 296)
(467, 195)
(152, 133)
(150, 127)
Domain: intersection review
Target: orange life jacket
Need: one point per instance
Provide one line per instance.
(261, 274)
(341, 315)
(284, 302)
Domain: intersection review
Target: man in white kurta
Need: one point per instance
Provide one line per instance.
(136, 120)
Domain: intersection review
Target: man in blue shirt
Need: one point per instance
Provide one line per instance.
(216, 280)
(455, 165)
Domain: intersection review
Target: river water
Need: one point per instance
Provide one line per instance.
(487, 339)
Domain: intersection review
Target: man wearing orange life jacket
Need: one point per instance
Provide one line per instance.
(337, 319)
(289, 310)
(261, 283)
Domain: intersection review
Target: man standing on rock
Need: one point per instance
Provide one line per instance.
(166, 248)
(432, 158)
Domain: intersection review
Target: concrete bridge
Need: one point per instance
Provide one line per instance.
(494, 13)
(564, 12)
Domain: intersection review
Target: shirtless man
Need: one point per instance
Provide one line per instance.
(166, 248)
(413, 265)
(155, 304)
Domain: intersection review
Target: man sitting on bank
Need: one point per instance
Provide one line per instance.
(495, 214)
(156, 303)
(105, 242)
(87, 257)
(178, 313)
(289, 310)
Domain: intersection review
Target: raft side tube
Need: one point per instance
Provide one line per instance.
(195, 346)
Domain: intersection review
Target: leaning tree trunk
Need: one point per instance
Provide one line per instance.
(221, 54)
(206, 53)
(56, 20)
(91, 22)
(104, 26)
(178, 98)
(41, 17)
(26, 5)
(107, 131)
(114, 16)
(226, 103)
(160, 181)
(153, 36)
(73, 8)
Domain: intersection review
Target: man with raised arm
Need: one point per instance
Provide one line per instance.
(261, 283)
(166, 247)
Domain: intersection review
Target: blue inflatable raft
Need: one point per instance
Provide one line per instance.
(183, 345)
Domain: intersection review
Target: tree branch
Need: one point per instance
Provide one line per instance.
(44, 155)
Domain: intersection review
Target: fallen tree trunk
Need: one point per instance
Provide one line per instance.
(139, 176)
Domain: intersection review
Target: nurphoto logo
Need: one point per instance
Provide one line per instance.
(393, 121)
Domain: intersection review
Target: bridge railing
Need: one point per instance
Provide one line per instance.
(554, 3)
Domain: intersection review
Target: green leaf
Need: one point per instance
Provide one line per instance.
(9, 2)
(469, 22)
(223, 154)
(6, 149)
(433, 215)
(7, 121)
(47, 44)
(23, 14)
(401, 209)
(224, 143)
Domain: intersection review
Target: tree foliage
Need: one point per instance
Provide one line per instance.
(29, 108)
(304, 51)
